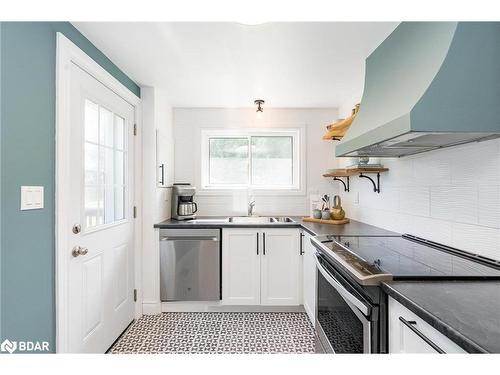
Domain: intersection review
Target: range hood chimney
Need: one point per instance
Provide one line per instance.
(428, 85)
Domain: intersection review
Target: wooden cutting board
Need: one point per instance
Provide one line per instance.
(321, 221)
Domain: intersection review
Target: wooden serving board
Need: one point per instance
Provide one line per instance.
(321, 221)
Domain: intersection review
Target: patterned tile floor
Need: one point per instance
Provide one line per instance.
(218, 332)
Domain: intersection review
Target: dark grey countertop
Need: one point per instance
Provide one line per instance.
(467, 312)
(354, 228)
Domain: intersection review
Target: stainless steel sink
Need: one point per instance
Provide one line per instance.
(259, 220)
(207, 221)
(250, 219)
(283, 219)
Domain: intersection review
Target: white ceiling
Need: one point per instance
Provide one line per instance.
(229, 64)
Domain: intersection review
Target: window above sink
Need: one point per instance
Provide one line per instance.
(263, 160)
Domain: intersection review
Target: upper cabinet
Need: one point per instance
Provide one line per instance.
(164, 159)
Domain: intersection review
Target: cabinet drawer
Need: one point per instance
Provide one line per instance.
(408, 333)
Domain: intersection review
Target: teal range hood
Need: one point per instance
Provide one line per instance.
(428, 85)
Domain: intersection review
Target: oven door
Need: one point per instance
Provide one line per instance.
(343, 316)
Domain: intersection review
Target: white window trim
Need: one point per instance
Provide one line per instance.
(299, 169)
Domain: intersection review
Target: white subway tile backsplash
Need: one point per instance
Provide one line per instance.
(415, 200)
(459, 204)
(476, 239)
(401, 172)
(431, 171)
(477, 163)
(387, 199)
(451, 196)
(431, 229)
(489, 206)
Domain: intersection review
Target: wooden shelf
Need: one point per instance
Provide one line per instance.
(354, 171)
(337, 131)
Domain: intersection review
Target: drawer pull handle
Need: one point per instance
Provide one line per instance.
(301, 240)
(257, 243)
(411, 325)
(264, 243)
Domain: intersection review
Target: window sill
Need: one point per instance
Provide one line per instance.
(254, 192)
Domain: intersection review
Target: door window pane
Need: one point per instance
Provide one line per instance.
(105, 158)
(91, 164)
(109, 204)
(119, 132)
(106, 126)
(228, 161)
(119, 168)
(107, 163)
(93, 212)
(272, 161)
(91, 121)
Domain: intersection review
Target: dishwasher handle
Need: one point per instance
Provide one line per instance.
(189, 238)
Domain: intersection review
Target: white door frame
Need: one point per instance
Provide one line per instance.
(68, 53)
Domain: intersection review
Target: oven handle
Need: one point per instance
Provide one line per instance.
(340, 289)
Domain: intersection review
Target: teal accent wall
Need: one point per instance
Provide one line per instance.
(27, 157)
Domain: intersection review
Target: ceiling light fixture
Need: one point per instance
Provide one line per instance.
(259, 103)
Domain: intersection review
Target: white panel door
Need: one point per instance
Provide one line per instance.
(309, 277)
(100, 256)
(241, 266)
(280, 263)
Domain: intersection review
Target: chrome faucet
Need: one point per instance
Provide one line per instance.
(251, 206)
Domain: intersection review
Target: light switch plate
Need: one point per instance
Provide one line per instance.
(31, 197)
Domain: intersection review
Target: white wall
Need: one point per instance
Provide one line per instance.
(451, 196)
(188, 123)
(157, 116)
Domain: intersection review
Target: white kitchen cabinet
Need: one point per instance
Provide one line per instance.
(403, 339)
(260, 266)
(241, 266)
(164, 159)
(280, 272)
(309, 276)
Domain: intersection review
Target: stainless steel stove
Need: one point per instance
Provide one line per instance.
(351, 311)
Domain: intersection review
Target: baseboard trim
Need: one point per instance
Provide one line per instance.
(219, 307)
(310, 314)
(151, 308)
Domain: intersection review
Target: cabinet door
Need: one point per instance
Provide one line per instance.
(402, 339)
(309, 277)
(240, 267)
(164, 159)
(280, 267)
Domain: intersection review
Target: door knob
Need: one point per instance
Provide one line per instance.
(78, 250)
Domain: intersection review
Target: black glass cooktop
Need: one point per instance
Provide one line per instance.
(402, 257)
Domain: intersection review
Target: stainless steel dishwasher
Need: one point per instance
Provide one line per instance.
(190, 264)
